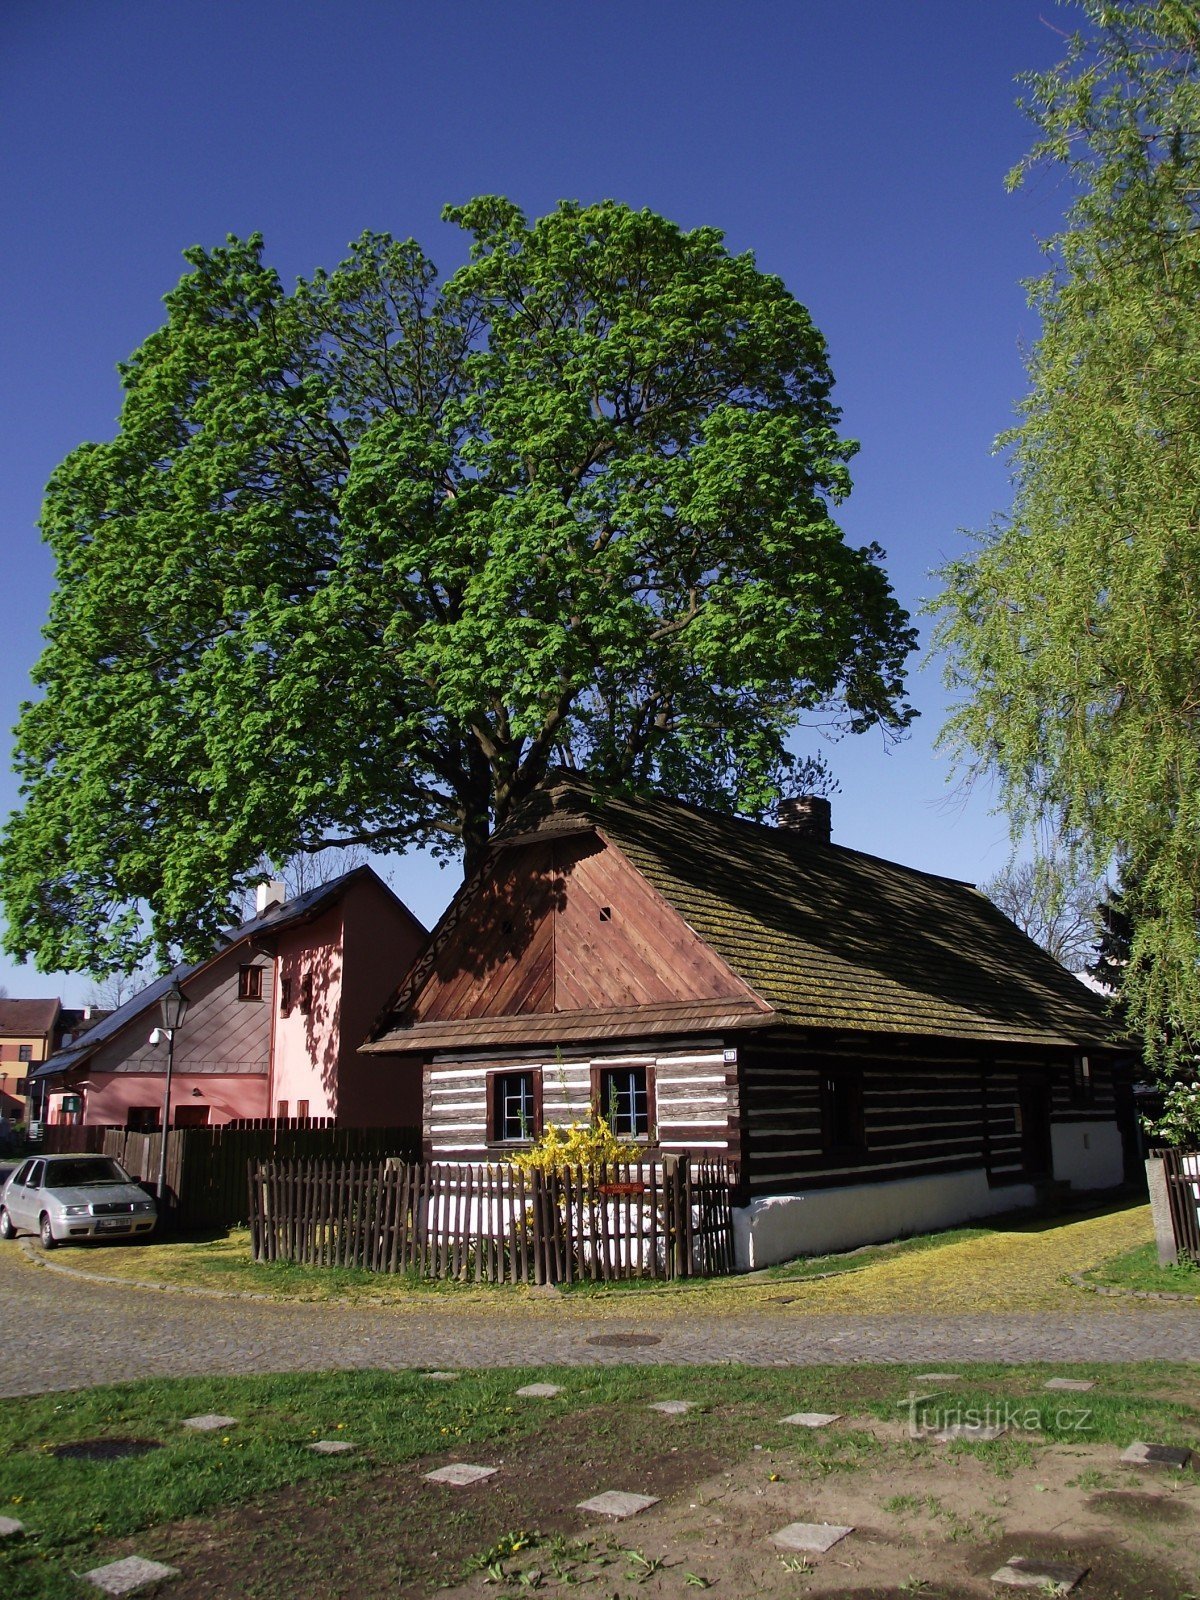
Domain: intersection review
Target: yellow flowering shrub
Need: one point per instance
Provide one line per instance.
(579, 1144)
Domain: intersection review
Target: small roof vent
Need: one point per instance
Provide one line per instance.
(809, 815)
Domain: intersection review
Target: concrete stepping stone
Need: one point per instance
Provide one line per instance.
(209, 1423)
(672, 1408)
(540, 1391)
(1051, 1577)
(332, 1447)
(439, 1377)
(813, 1537)
(1155, 1455)
(971, 1432)
(811, 1419)
(10, 1528)
(460, 1474)
(618, 1503)
(129, 1575)
(1076, 1385)
(938, 1377)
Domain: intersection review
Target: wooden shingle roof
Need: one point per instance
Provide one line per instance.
(832, 938)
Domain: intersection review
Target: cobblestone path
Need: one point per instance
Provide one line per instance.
(63, 1331)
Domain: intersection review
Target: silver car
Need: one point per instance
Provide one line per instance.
(73, 1197)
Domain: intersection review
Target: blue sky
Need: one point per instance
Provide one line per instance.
(858, 150)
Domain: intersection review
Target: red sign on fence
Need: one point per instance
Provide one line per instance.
(610, 1189)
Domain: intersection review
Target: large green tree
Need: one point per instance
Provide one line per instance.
(366, 556)
(1074, 628)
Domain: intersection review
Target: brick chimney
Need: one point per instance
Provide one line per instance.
(809, 815)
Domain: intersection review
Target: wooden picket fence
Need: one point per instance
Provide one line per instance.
(653, 1219)
(1181, 1169)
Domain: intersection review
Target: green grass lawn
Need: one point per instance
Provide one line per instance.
(1139, 1269)
(77, 1511)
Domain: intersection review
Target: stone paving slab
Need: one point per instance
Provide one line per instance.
(10, 1528)
(1076, 1385)
(672, 1408)
(814, 1537)
(129, 1575)
(812, 1419)
(209, 1422)
(439, 1377)
(540, 1391)
(460, 1474)
(1155, 1455)
(1051, 1577)
(332, 1447)
(938, 1377)
(618, 1503)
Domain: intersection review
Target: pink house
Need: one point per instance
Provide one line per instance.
(272, 1028)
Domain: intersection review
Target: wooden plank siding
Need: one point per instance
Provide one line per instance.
(926, 1109)
(695, 1096)
(568, 926)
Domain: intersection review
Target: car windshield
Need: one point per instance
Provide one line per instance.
(86, 1170)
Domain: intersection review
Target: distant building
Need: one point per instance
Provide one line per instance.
(274, 1020)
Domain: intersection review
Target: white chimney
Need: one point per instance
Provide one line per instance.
(271, 893)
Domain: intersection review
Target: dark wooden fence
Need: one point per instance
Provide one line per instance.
(669, 1219)
(1181, 1169)
(206, 1167)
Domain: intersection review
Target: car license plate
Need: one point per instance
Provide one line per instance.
(113, 1225)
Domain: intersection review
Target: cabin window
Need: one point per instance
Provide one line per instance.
(1083, 1087)
(302, 1110)
(281, 1110)
(622, 1096)
(306, 993)
(514, 1106)
(250, 983)
(842, 1127)
(24, 1052)
(142, 1119)
(285, 996)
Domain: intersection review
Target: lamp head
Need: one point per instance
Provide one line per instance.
(174, 1006)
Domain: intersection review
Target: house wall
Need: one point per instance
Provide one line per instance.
(695, 1095)
(220, 1033)
(14, 1071)
(381, 937)
(110, 1096)
(306, 1041)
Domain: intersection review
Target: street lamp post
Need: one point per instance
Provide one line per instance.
(174, 1009)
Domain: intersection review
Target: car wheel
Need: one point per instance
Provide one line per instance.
(47, 1233)
(7, 1231)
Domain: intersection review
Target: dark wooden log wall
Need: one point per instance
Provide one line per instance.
(927, 1108)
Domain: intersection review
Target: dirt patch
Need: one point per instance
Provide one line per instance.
(395, 1534)
(1145, 1507)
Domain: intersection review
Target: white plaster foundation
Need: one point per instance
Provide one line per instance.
(779, 1227)
(1087, 1155)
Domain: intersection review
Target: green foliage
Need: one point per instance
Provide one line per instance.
(1073, 629)
(365, 557)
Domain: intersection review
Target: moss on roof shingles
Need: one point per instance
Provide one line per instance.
(833, 938)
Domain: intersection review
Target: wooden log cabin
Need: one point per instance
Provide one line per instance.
(877, 1050)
